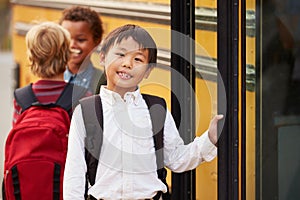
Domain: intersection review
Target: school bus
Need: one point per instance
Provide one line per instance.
(155, 16)
(226, 42)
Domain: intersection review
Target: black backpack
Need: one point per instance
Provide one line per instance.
(93, 119)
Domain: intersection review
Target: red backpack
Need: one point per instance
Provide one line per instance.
(36, 147)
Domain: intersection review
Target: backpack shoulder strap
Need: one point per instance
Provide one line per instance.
(158, 109)
(70, 96)
(93, 120)
(97, 80)
(25, 96)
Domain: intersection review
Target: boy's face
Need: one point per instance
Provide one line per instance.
(82, 42)
(126, 65)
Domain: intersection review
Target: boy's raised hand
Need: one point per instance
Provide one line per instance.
(213, 129)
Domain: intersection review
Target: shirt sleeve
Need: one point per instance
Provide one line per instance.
(75, 168)
(16, 112)
(179, 157)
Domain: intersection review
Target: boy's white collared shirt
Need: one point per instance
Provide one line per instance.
(127, 165)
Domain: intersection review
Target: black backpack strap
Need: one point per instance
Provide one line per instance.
(93, 120)
(56, 182)
(25, 97)
(70, 96)
(16, 183)
(157, 108)
(97, 80)
(3, 190)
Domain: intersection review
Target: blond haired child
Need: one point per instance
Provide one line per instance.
(48, 53)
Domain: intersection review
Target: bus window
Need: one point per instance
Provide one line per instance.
(278, 60)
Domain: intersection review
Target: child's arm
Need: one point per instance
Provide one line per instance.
(179, 157)
(75, 169)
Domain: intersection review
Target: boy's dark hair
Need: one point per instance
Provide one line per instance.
(85, 14)
(140, 35)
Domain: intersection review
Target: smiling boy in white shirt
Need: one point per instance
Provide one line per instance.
(127, 165)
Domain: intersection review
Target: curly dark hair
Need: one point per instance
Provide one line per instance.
(86, 14)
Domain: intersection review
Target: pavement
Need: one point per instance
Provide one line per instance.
(6, 89)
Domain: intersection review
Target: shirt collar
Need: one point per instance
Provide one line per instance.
(112, 97)
(82, 72)
(67, 75)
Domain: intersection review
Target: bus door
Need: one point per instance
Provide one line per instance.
(278, 97)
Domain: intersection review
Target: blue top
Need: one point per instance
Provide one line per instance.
(89, 78)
